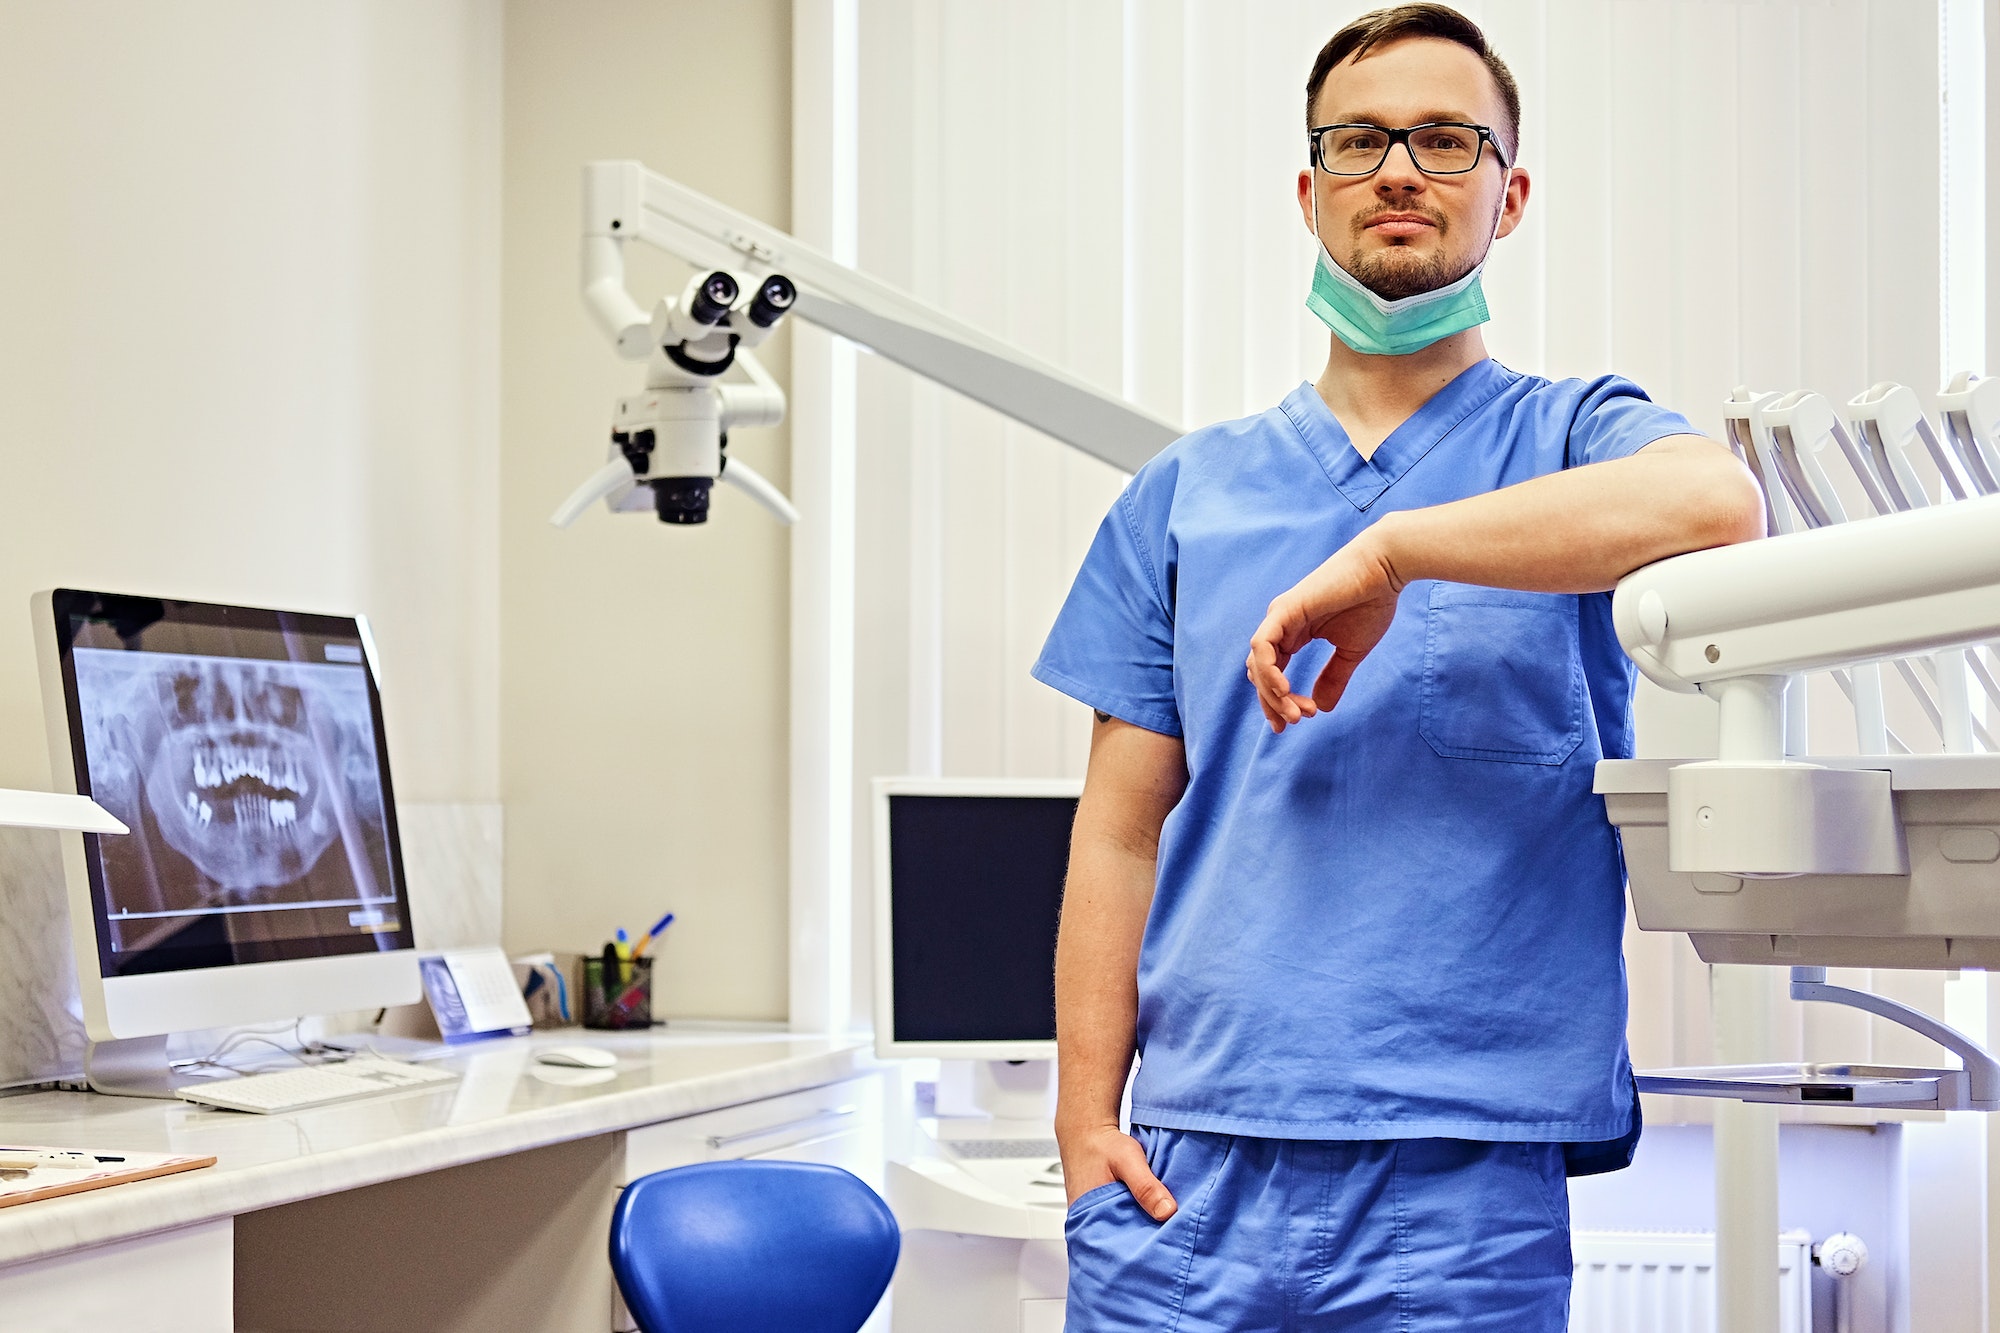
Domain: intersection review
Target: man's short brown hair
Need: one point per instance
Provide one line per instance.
(1418, 20)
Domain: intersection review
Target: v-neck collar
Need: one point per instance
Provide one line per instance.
(1363, 480)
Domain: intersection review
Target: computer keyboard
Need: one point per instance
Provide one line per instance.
(990, 1148)
(314, 1085)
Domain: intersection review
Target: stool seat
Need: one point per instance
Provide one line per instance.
(743, 1247)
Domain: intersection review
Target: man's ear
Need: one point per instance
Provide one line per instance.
(1516, 206)
(1305, 197)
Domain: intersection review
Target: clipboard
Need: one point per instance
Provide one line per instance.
(47, 1182)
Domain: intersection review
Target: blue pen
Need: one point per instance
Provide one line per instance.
(654, 933)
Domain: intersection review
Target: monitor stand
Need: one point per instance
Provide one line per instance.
(982, 1206)
(132, 1067)
(999, 1089)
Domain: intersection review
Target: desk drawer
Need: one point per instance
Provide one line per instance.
(840, 1123)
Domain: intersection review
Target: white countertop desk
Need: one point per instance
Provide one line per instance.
(482, 1203)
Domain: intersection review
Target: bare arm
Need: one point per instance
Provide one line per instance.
(1579, 530)
(1136, 776)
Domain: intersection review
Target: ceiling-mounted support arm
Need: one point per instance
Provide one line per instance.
(609, 304)
(625, 201)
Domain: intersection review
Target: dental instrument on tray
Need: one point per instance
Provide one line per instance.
(1970, 407)
(1890, 420)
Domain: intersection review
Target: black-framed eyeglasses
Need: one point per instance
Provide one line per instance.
(1440, 148)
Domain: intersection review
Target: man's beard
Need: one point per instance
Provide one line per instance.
(1398, 271)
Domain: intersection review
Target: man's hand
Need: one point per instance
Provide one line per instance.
(1349, 601)
(1101, 1154)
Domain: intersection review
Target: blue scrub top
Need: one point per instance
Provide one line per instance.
(1401, 919)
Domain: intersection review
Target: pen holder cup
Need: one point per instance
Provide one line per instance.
(620, 997)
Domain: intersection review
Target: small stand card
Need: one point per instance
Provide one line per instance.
(473, 994)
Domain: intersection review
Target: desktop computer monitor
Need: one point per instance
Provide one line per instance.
(244, 748)
(968, 888)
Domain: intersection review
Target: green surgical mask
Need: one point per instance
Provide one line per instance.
(1377, 326)
(1380, 327)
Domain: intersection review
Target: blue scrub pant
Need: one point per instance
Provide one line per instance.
(1285, 1236)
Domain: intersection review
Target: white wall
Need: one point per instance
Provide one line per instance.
(252, 340)
(644, 667)
(1727, 191)
(1724, 193)
(248, 353)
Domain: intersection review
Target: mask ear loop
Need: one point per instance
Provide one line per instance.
(1506, 180)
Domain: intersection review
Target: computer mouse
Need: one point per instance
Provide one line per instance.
(576, 1057)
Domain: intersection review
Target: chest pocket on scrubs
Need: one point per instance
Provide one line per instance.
(1503, 677)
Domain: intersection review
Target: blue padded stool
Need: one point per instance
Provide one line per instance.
(745, 1247)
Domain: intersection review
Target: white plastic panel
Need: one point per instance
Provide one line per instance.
(839, 1124)
(174, 1282)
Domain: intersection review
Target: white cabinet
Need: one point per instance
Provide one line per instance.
(839, 1124)
(979, 1284)
(185, 1275)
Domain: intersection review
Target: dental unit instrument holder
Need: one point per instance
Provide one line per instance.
(1867, 860)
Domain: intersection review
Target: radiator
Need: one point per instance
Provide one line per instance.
(1664, 1282)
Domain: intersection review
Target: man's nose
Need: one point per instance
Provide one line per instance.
(1399, 171)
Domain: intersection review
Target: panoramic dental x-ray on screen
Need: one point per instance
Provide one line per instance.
(250, 784)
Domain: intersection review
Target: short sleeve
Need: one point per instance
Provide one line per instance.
(1615, 419)
(1112, 646)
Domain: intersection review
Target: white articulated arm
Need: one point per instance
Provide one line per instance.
(1736, 622)
(604, 295)
(759, 403)
(1982, 1072)
(624, 201)
(1876, 588)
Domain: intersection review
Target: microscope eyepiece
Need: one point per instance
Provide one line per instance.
(718, 292)
(772, 300)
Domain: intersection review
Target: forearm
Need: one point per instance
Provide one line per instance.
(1580, 530)
(1097, 980)
(1136, 777)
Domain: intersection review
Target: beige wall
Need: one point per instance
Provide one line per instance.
(644, 681)
(248, 344)
(249, 352)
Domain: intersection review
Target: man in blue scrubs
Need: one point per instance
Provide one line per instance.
(1355, 908)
